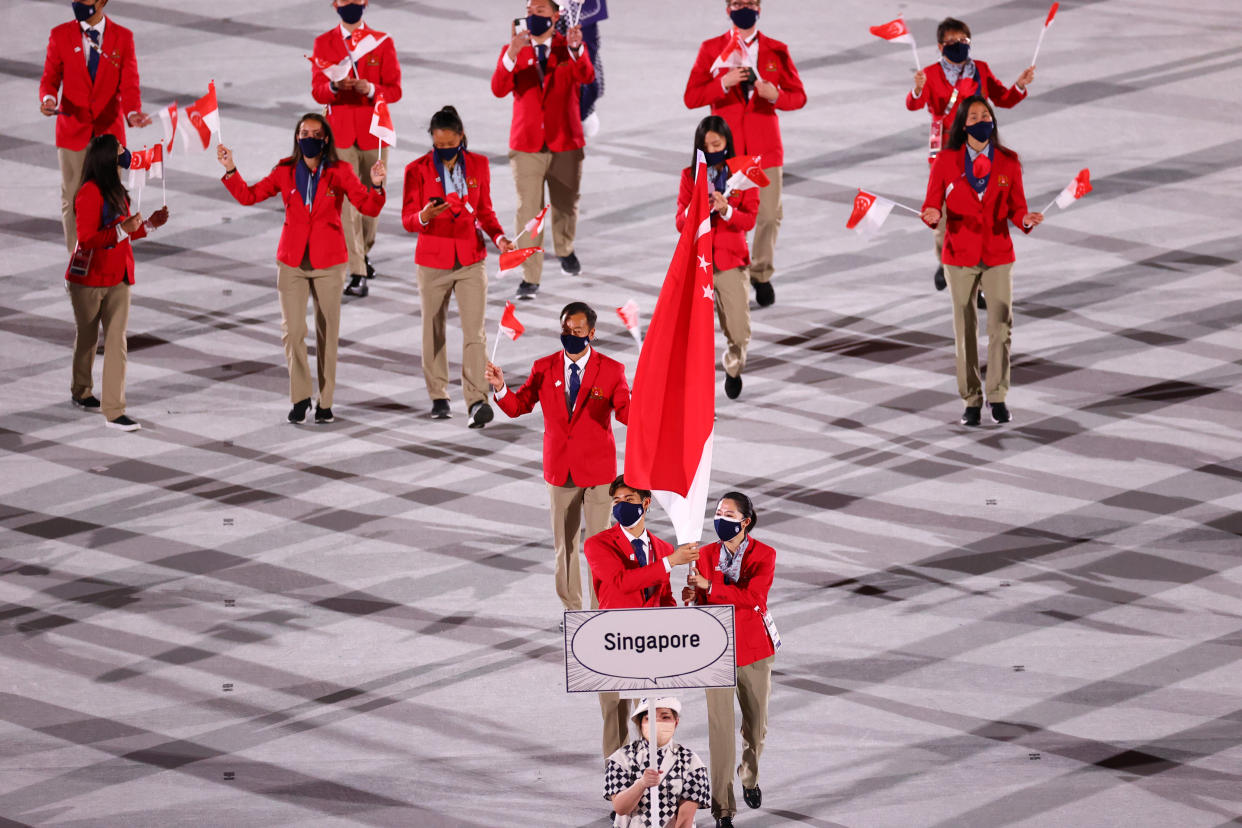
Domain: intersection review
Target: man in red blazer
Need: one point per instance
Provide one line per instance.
(373, 72)
(544, 72)
(748, 96)
(91, 65)
(630, 568)
(579, 390)
(943, 85)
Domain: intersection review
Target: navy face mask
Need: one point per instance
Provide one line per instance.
(574, 344)
(446, 154)
(124, 158)
(980, 131)
(537, 25)
(627, 514)
(311, 147)
(83, 12)
(956, 52)
(727, 529)
(714, 158)
(351, 14)
(744, 18)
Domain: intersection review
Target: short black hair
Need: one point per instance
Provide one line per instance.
(575, 308)
(745, 507)
(620, 483)
(950, 24)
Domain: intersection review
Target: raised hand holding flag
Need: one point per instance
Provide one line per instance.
(896, 31)
(1052, 12)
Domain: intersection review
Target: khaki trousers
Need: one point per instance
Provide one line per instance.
(997, 284)
(71, 163)
(92, 307)
(767, 227)
(754, 687)
(562, 172)
(359, 229)
(435, 286)
(295, 287)
(733, 309)
(568, 504)
(616, 712)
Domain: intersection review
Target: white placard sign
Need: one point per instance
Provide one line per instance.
(664, 648)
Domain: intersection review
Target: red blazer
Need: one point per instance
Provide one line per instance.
(937, 92)
(580, 446)
(750, 591)
(449, 238)
(349, 113)
(753, 122)
(544, 114)
(729, 249)
(113, 261)
(327, 241)
(977, 231)
(619, 580)
(89, 108)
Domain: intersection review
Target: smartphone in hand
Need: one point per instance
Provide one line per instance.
(519, 24)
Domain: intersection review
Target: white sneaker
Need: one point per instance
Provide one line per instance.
(590, 125)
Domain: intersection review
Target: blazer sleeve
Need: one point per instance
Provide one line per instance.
(684, 194)
(131, 91)
(92, 233)
(486, 215)
(998, 93)
(702, 87)
(613, 575)
(502, 78)
(915, 103)
(1017, 200)
(522, 401)
(368, 201)
(584, 69)
(936, 184)
(748, 593)
(791, 93)
(321, 87)
(246, 194)
(745, 210)
(412, 200)
(390, 73)
(621, 398)
(53, 70)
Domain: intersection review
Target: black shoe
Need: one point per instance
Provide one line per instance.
(526, 291)
(480, 415)
(733, 386)
(370, 267)
(357, 286)
(297, 414)
(753, 796)
(440, 410)
(980, 302)
(970, 417)
(324, 415)
(764, 294)
(938, 279)
(1000, 413)
(724, 822)
(570, 265)
(124, 424)
(88, 402)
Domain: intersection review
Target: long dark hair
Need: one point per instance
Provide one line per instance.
(744, 506)
(718, 125)
(100, 166)
(447, 118)
(329, 143)
(957, 134)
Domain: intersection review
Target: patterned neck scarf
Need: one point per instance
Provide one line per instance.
(953, 72)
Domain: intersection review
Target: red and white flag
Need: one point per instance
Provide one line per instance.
(509, 324)
(673, 406)
(747, 174)
(334, 72)
(144, 164)
(1052, 12)
(169, 118)
(629, 317)
(204, 119)
(1079, 187)
(535, 226)
(364, 41)
(896, 31)
(381, 123)
(870, 212)
(511, 262)
(735, 53)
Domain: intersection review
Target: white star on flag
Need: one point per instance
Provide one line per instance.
(704, 263)
(707, 291)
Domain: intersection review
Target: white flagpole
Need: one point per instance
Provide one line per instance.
(496, 344)
(904, 207)
(914, 51)
(652, 743)
(164, 186)
(1039, 43)
(1051, 204)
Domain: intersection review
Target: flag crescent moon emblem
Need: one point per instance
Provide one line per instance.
(861, 202)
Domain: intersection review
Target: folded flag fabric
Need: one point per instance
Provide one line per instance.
(204, 119)
(509, 324)
(746, 174)
(335, 72)
(535, 226)
(381, 122)
(629, 317)
(169, 119)
(870, 212)
(1076, 189)
(144, 164)
(735, 53)
(512, 261)
(895, 30)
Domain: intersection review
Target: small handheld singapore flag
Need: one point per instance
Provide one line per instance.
(895, 30)
(168, 117)
(381, 122)
(204, 119)
(144, 164)
(870, 212)
(746, 173)
(629, 317)
(1076, 189)
(511, 262)
(509, 324)
(335, 72)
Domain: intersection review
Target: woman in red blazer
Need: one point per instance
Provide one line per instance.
(979, 182)
(311, 259)
(732, 216)
(448, 203)
(738, 570)
(99, 276)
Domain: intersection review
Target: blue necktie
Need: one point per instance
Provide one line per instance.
(640, 552)
(92, 62)
(542, 53)
(574, 385)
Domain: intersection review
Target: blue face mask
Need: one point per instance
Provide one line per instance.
(124, 158)
(83, 12)
(537, 25)
(627, 514)
(744, 18)
(574, 344)
(446, 154)
(980, 131)
(714, 158)
(351, 14)
(311, 147)
(727, 529)
(956, 52)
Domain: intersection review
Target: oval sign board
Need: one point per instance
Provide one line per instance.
(650, 644)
